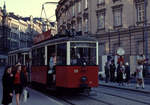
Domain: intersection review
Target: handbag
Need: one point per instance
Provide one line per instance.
(10, 104)
(25, 95)
(124, 76)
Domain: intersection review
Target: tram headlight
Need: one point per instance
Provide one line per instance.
(84, 63)
(83, 79)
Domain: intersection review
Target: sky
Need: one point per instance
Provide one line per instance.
(30, 7)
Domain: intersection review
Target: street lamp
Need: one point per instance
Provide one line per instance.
(109, 38)
(130, 34)
(145, 29)
(145, 33)
(118, 37)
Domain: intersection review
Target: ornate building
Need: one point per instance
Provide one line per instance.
(115, 23)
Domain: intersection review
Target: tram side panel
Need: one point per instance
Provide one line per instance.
(39, 74)
(76, 76)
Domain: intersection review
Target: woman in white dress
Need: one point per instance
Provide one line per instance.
(139, 75)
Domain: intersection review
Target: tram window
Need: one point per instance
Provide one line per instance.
(40, 56)
(26, 59)
(50, 51)
(61, 54)
(15, 60)
(34, 58)
(20, 58)
(85, 55)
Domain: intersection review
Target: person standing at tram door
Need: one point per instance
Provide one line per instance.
(52, 64)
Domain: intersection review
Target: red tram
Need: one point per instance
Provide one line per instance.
(75, 62)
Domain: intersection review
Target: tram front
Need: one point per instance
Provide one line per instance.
(81, 70)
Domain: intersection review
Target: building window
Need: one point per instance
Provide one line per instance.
(80, 25)
(85, 4)
(117, 16)
(73, 25)
(79, 6)
(140, 12)
(86, 25)
(139, 47)
(73, 10)
(115, 1)
(101, 1)
(101, 20)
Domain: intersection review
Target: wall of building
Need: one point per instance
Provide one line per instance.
(128, 35)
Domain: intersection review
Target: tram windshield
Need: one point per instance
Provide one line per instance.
(83, 53)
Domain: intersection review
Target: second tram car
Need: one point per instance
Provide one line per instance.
(20, 55)
(74, 61)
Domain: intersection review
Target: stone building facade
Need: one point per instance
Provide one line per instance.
(115, 23)
(17, 32)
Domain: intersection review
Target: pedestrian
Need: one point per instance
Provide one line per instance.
(112, 71)
(139, 75)
(52, 66)
(7, 82)
(20, 82)
(107, 68)
(120, 71)
(127, 72)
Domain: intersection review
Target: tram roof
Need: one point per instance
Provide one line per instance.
(19, 50)
(65, 39)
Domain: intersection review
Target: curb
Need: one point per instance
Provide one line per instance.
(136, 90)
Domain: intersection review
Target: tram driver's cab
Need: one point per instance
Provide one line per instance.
(83, 53)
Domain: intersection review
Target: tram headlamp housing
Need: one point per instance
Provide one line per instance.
(83, 79)
(84, 63)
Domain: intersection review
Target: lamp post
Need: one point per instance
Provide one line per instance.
(130, 38)
(145, 29)
(145, 34)
(118, 37)
(109, 32)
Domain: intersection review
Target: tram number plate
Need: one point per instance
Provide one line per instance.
(76, 71)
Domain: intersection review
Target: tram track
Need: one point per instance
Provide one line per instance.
(65, 99)
(68, 101)
(98, 100)
(123, 97)
(128, 90)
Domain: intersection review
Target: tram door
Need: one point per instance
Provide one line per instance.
(20, 58)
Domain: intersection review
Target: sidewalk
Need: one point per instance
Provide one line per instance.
(132, 86)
